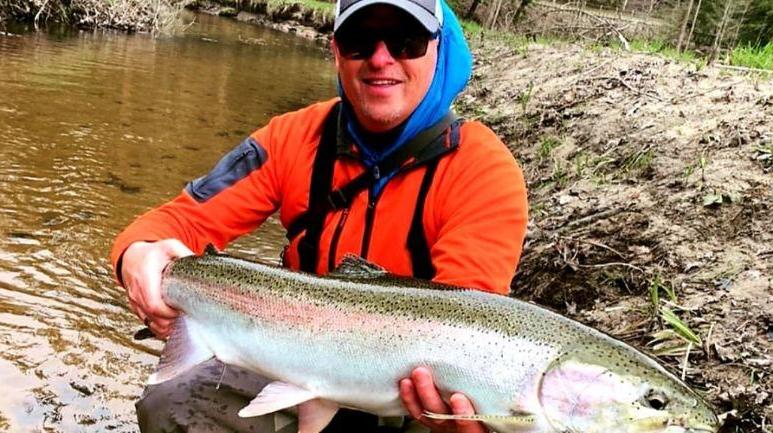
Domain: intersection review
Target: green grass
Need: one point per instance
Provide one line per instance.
(681, 328)
(663, 48)
(547, 145)
(471, 28)
(656, 286)
(311, 4)
(753, 57)
(519, 43)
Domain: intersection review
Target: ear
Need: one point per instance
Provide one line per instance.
(334, 49)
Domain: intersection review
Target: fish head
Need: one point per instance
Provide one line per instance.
(620, 393)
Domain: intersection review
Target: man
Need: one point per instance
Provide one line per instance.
(386, 172)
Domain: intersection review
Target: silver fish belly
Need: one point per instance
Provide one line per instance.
(347, 340)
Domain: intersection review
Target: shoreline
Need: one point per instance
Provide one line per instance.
(285, 17)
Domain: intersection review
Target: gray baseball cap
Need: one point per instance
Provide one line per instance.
(428, 12)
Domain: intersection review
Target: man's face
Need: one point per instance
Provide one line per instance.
(383, 90)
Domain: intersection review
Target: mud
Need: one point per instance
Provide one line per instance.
(646, 176)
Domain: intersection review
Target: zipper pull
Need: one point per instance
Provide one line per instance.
(376, 172)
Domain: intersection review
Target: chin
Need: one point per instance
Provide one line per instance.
(381, 120)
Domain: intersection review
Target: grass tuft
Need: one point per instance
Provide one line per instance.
(753, 57)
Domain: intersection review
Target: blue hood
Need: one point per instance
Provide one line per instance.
(453, 70)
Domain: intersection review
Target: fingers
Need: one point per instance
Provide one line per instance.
(161, 328)
(143, 265)
(419, 394)
(425, 389)
(410, 399)
(152, 303)
(461, 405)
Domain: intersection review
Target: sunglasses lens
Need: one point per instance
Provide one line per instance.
(356, 48)
(359, 45)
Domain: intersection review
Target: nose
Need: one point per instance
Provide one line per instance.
(381, 56)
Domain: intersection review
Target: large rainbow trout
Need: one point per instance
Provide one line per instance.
(347, 339)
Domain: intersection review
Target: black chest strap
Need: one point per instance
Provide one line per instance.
(421, 260)
(323, 198)
(321, 179)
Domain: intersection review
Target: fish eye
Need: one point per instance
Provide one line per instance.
(655, 399)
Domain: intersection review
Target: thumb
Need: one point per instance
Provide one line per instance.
(178, 249)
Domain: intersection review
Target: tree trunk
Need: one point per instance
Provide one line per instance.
(580, 8)
(720, 32)
(692, 27)
(471, 10)
(683, 30)
(521, 9)
(739, 24)
(496, 6)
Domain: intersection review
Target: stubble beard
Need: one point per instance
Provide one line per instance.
(382, 116)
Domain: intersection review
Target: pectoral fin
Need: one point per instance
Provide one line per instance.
(183, 351)
(520, 420)
(315, 415)
(276, 396)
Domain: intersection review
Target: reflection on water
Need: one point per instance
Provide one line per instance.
(95, 128)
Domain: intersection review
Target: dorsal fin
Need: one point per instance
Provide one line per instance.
(210, 250)
(355, 267)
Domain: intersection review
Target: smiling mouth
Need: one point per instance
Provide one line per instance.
(381, 82)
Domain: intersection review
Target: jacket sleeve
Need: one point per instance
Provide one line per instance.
(234, 198)
(482, 214)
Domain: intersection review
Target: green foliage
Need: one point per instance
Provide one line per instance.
(664, 48)
(681, 328)
(525, 96)
(764, 154)
(547, 145)
(757, 28)
(656, 286)
(750, 22)
(471, 28)
(753, 57)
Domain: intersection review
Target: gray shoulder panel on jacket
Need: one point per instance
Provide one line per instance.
(237, 164)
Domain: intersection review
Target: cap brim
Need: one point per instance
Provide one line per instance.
(426, 18)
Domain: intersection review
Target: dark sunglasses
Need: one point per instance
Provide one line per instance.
(361, 43)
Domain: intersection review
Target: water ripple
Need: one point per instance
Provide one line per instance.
(97, 127)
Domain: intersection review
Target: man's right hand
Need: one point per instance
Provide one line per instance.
(141, 269)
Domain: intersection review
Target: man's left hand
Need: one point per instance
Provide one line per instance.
(419, 395)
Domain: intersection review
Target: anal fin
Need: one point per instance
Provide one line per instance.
(276, 396)
(183, 351)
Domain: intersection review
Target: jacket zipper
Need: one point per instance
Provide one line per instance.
(370, 214)
(331, 259)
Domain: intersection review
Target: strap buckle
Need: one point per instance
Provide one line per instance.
(337, 199)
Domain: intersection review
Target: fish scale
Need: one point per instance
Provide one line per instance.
(347, 339)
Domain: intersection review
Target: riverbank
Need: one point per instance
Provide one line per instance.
(152, 16)
(650, 185)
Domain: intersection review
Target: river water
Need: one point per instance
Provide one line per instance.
(95, 128)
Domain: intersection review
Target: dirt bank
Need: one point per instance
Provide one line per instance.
(646, 176)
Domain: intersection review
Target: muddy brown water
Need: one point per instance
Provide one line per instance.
(96, 128)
